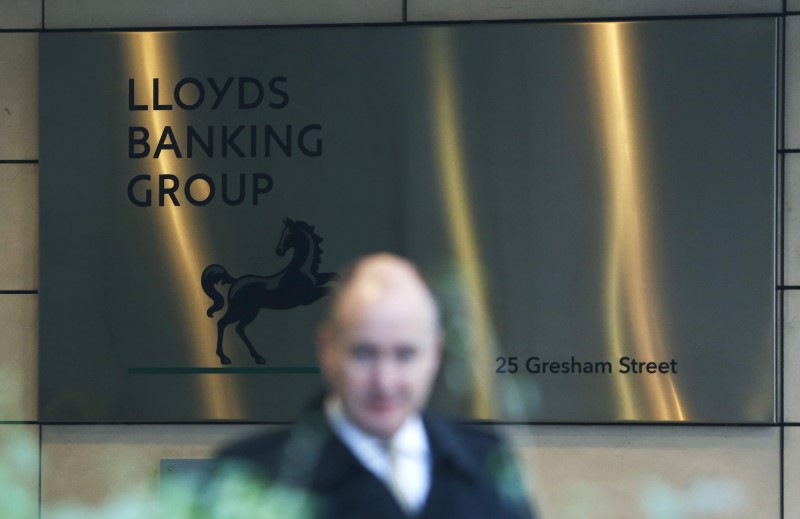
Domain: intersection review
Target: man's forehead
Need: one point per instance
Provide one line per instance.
(389, 322)
(384, 288)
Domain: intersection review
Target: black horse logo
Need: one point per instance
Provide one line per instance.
(299, 283)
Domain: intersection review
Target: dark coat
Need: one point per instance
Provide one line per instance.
(474, 474)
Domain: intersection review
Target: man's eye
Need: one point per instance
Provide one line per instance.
(406, 353)
(362, 352)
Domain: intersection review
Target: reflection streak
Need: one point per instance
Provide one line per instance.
(634, 320)
(150, 56)
(450, 156)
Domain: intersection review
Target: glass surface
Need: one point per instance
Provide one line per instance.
(594, 204)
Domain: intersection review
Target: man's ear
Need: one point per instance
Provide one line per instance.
(439, 347)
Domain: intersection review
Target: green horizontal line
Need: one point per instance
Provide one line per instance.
(273, 370)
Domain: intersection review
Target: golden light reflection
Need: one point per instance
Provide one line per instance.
(448, 147)
(150, 56)
(634, 319)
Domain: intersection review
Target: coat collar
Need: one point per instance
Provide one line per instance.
(334, 462)
(448, 446)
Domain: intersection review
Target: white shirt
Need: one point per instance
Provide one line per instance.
(411, 452)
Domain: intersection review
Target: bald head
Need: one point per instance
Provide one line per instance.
(387, 285)
(381, 347)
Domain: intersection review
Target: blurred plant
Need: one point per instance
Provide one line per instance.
(703, 498)
(19, 455)
(19, 467)
(233, 493)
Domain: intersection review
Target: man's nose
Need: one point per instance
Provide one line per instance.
(385, 373)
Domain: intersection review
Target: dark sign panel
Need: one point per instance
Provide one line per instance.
(593, 203)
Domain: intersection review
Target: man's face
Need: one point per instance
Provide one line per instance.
(381, 361)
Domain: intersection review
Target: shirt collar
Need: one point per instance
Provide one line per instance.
(444, 444)
(409, 439)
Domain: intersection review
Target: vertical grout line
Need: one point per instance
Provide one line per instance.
(38, 64)
(780, 365)
(782, 218)
(781, 488)
(405, 11)
(779, 408)
(781, 346)
(40, 471)
(781, 120)
(782, 100)
(778, 234)
(781, 222)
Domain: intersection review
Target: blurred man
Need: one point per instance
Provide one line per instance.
(372, 451)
